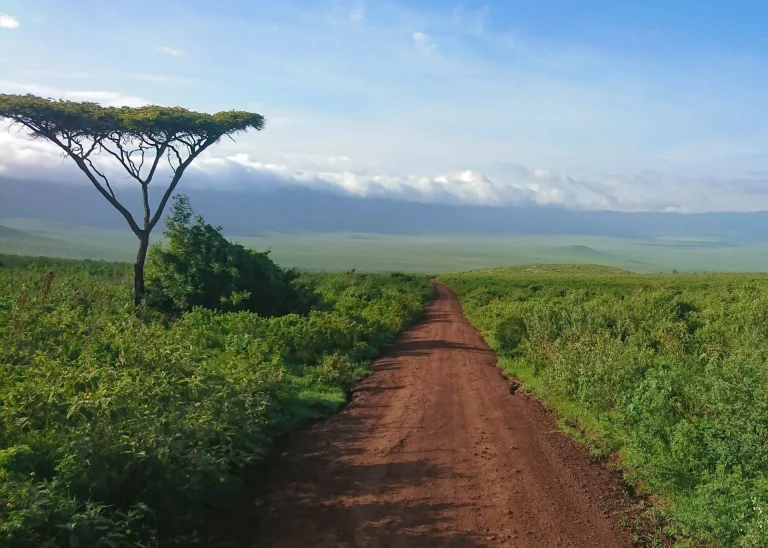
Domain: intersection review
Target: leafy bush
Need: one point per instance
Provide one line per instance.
(669, 371)
(510, 333)
(334, 370)
(198, 266)
(117, 430)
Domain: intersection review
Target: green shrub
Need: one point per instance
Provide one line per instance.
(334, 370)
(510, 333)
(198, 266)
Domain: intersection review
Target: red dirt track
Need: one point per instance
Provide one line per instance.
(433, 450)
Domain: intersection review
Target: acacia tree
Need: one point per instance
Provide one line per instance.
(138, 139)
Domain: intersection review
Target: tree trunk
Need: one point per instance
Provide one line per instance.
(138, 269)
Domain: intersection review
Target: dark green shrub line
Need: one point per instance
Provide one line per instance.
(668, 372)
(116, 429)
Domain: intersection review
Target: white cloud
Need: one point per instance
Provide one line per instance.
(357, 14)
(173, 52)
(318, 162)
(8, 22)
(335, 172)
(161, 78)
(19, 154)
(423, 42)
(512, 185)
(339, 14)
(499, 185)
(105, 98)
(471, 22)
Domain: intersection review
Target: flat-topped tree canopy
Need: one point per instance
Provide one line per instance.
(62, 118)
(138, 138)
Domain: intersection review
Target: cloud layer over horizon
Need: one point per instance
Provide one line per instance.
(503, 184)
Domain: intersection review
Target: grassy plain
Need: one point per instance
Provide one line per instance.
(411, 253)
(669, 372)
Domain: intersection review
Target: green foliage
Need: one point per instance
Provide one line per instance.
(118, 430)
(198, 266)
(48, 117)
(105, 268)
(510, 333)
(668, 370)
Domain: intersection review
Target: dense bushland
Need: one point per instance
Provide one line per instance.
(116, 428)
(670, 372)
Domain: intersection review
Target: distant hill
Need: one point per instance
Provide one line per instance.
(12, 233)
(250, 212)
(560, 270)
(580, 250)
(18, 241)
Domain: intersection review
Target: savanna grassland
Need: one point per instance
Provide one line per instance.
(427, 253)
(119, 426)
(666, 371)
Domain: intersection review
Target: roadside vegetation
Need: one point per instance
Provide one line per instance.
(118, 426)
(666, 371)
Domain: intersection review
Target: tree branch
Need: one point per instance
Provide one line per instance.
(141, 164)
(122, 157)
(176, 178)
(100, 174)
(84, 168)
(178, 157)
(147, 211)
(90, 150)
(160, 153)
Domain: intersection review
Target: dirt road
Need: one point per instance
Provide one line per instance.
(435, 451)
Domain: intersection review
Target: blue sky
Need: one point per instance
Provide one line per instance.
(595, 104)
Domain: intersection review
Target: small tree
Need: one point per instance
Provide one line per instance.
(138, 139)
(197, 266)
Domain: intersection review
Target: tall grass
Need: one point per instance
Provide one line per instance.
(670, 372)
(117, 429)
